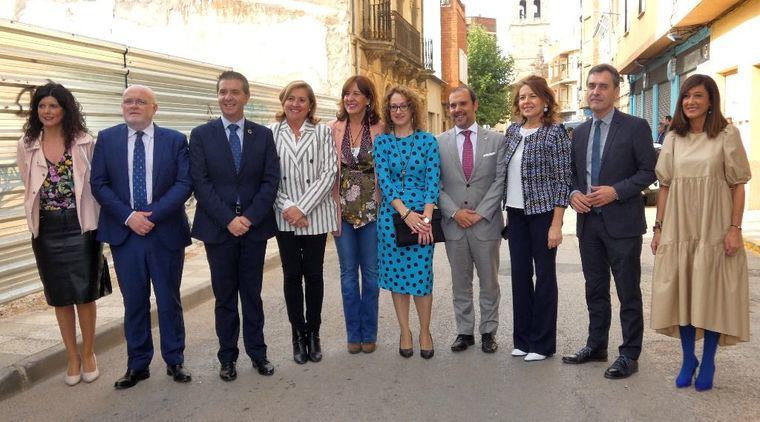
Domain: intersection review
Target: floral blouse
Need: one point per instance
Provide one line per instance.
(357, 181)
(57, 192)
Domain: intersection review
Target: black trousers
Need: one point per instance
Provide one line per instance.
(237, 266)
(303, 258)
(599, 254)
(534, 308)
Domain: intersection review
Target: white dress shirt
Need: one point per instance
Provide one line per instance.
(147, 139)
(473, 138)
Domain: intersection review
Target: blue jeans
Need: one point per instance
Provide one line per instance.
(357, 249)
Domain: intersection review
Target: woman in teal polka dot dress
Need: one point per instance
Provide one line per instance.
(408, 171)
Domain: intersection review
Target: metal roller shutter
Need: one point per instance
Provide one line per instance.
(96, 72)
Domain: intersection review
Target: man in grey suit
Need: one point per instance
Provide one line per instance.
(472, 181)
(613, 161)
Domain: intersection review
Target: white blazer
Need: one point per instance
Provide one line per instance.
(308, 168)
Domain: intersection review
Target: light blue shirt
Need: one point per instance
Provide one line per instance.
(605, 128)
(241, 127)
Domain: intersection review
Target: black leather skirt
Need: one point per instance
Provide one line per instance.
(72, 267)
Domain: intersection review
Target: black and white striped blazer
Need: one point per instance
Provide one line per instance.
(308, 169)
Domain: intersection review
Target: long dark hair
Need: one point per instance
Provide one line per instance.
(367, 88)
(714, 122)
(73, 120)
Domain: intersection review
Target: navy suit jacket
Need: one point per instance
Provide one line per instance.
(218, 186)
(172, 186)
(628, 162)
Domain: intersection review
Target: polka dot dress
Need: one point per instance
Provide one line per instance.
(406, 269)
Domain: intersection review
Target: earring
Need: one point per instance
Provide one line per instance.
(546, 109)
(709, 111)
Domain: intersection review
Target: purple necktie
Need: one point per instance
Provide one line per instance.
(467, 154)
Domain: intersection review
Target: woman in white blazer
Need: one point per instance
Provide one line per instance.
(305, 212)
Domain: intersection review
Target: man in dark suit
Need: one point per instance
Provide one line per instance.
(140, 176)
(613, 161)
(235, 172)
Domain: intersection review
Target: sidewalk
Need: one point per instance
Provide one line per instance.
(30, 343)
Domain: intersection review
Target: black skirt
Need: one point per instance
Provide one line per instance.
(72, 267)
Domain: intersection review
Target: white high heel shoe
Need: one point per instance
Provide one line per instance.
(89, 377)
(72, 380)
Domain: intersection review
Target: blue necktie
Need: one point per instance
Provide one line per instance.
(139, 192)
(237, 151)
(596, 153)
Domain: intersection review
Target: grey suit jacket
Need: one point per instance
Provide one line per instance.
(481, 193)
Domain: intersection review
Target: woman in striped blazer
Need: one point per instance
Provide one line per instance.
(536, 193)
(305, 212)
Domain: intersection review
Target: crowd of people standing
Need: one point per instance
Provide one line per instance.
(388, 191)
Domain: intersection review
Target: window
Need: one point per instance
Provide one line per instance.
(537, 3)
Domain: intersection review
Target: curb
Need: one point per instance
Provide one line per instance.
(31, 370)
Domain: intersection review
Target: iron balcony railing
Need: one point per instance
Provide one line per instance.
(429, 65)
(380, 23)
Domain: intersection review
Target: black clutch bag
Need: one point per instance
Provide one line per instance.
(404, 235)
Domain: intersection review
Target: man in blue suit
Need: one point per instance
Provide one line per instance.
(141, 178)
(235, 172)
(613, 161)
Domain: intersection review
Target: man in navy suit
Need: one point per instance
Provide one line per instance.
(141, 178)
(235, 172)
(613, 161)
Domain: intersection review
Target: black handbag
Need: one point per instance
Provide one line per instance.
(404, 235)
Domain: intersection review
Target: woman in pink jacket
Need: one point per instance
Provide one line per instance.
(54, 161)
(356, 194)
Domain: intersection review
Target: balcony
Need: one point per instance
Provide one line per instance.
(386, 32)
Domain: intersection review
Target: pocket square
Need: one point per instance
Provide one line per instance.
(489, 154)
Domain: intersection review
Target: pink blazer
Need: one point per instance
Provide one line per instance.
(338, 130)
(33, 168)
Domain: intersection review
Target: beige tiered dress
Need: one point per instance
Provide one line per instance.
(694, 281)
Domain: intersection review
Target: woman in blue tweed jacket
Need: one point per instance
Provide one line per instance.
(536, 192)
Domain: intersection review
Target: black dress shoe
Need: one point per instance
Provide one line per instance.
(263, 366)
(427, 354)
(586, 354)
(132, 377)
(405, 353)
(315, 349)
(462, 342)
(300, 348)
(488, 343)
(228, 372)
(179, 373)
(623, 367)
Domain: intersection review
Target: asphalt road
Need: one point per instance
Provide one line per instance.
(383, 386)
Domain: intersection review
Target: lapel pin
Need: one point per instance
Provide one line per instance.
(250, 132)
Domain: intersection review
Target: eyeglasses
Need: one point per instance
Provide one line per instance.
(133, 101)
(401, 107)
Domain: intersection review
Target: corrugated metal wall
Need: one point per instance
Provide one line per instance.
(96, 72)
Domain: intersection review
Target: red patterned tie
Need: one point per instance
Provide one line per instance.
(467, 154)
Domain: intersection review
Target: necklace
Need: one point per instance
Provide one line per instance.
(355, 140)
(408, 157)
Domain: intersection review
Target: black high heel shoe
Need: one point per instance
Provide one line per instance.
(427, 354)
(407, 353)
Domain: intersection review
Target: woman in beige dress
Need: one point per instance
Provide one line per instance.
(700, 286)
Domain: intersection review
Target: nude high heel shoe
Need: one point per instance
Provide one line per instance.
(89, 377)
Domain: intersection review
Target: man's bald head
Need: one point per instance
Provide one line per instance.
(138, 106)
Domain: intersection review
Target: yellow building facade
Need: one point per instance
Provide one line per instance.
(667, 42)
(387, 44)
